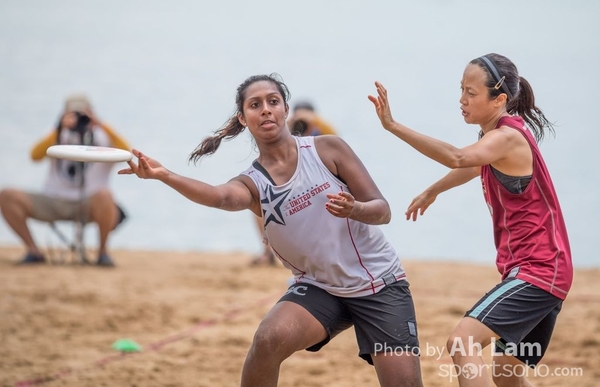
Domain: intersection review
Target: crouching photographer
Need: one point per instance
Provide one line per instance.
(73, 191)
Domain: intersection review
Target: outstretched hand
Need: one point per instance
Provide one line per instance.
(340, 205)
(419, 205)
(146, 167)
(382, 106)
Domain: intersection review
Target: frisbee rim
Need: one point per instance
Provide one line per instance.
(89, 153)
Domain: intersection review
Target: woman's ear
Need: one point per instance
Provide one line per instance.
(240, 118)
(501, 100)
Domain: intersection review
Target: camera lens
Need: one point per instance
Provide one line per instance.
(82, 119)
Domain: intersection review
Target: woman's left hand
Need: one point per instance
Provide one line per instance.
(340, 205)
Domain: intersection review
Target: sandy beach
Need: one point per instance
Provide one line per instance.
(194, 315)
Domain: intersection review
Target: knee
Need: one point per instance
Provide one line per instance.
(456, 344)
(451, 343)
(8, 196)
(510, 374)
(103, 209)
(102, 204)
(504, 381)
(104, 196)
(498, 380)
(14, 201)
(270, 343)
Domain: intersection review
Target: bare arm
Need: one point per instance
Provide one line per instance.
(364, 202)
(493, 147)
(235, 195)
(453, 179)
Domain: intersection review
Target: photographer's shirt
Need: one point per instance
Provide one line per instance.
(73, 180)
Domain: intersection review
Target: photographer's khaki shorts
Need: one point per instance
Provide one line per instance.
(49, 209)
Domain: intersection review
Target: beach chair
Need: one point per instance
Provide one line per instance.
(75, 246)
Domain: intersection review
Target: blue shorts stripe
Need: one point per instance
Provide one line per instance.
(494, 296)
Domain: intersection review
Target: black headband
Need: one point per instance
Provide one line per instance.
(491, 67)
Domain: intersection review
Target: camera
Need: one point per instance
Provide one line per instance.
(83, 121)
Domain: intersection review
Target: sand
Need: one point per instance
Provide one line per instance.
(194, 315)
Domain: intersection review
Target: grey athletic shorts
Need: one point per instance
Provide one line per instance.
(383, 322)
(522, 314)
(49, 209)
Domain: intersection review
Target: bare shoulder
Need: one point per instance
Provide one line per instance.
(246, 181)
(510, 135)
(330, 142)
(332, 148)
(336, 154)
(506, 130)
(503, 135)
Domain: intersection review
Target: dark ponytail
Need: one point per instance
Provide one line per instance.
(524, 106)
(209, 145)
(233, 127)
(503, 77)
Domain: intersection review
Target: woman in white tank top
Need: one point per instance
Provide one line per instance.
(320, 209)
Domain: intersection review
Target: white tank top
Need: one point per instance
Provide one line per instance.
(345, 257)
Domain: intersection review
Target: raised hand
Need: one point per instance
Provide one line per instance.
(382, 106)
(419, 205)
(340, 205)
(146, 167)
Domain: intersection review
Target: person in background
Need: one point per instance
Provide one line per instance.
(533, 252)
(73, 191)
(322, 212)
(304, 121)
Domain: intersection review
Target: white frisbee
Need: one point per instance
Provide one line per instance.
(89, 153)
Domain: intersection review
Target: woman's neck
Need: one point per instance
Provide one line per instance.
(278, 152)
(493, 122)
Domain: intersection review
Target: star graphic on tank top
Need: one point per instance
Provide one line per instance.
(276, 200)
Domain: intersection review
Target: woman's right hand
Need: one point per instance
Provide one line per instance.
(146, 167)
(68, 120)
(419, 205)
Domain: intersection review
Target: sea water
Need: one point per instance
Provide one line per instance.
(164, 75)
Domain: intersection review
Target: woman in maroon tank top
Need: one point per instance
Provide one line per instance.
(533, 253)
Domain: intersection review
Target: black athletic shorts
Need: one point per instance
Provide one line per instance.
(522, 314)
(383, 322)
